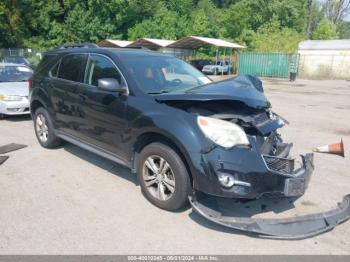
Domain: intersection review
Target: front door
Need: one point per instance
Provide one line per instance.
(104, 111)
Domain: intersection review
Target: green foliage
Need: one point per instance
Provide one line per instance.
(164, 24)
(325, 30)
(238, 19)
(269, 25)
(206, 20)
(272, 37)
(12, 29)
(343, 30)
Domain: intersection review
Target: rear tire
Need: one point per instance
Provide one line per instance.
(163, 177)
(2, 116)
(44, 129)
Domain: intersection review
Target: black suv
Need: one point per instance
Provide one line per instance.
(167, 122)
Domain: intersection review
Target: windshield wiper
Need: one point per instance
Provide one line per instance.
(157, 93)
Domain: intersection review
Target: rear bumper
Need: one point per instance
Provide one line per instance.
(287, 228)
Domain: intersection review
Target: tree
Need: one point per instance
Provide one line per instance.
(326, 30)
(206, 20)
(309, 18)
(45, 24)
(336, 10)
(271, 37)
(12, 29)
(163, 25)
(343, 30)
(237, 19)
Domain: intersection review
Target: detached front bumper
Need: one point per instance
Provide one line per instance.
(287, 228)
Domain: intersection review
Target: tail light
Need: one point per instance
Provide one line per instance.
(30, 82)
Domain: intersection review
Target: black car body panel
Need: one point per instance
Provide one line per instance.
(119, 124)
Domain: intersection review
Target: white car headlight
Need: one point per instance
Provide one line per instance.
(222, 133)
(10, 98)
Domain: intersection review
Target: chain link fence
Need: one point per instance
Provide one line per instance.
(10, 54)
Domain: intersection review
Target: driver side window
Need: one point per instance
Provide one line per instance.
(100, 67)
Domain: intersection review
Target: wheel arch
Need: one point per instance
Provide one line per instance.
(34, 105)
(156, 137)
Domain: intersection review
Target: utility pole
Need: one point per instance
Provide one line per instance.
(309, 19)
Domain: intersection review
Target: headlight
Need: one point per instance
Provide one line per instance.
(222, 133)
(10, 98)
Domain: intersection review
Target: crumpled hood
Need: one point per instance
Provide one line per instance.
(245, 88)
(14, 88)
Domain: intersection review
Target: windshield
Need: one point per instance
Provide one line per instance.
(163, 74)
(14, 73)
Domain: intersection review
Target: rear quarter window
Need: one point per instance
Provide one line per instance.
(46, 64)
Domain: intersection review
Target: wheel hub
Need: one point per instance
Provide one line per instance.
(158, 177)
(41, 128)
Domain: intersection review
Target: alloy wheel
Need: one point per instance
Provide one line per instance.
(158, 177)
(41, 128)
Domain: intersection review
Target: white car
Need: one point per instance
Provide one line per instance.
(219, 68)
(14, 89)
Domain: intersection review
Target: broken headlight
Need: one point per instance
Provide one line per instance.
(222, 133)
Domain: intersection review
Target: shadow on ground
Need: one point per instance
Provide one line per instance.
(18, 118)
(101, 162)
(228, 207)
(108, 165)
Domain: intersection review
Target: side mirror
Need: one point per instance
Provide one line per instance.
(111, 84)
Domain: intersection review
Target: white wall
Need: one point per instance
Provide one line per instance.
(324, 64)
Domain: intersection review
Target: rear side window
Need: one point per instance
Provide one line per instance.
(100, 67)
(71, 67)
(45, 64)
(54, 70)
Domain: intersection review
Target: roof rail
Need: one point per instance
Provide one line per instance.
(82, 45)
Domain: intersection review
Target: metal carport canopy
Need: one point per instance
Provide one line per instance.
(194, 42)
(151, 43)
(113, 43)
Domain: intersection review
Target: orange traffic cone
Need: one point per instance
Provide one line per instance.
(336, 149)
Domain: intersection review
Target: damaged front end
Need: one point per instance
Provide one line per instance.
(257, 165)
(254, 161)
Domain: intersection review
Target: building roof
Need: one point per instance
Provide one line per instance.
(325, 45)
(113, 43)
(151, 43)
(194, 42)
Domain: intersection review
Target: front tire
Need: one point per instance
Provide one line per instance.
(163, 177)
(44, 129)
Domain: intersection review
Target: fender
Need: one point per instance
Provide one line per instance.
(180, 130)
(41, 95)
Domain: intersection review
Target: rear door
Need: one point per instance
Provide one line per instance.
(67, 74)
(104, 111)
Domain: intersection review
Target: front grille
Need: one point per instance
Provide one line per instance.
(261, 118)
(282, 165)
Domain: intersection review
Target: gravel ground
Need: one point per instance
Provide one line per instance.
(69, 201)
